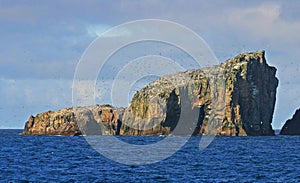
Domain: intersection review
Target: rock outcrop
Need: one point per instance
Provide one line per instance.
(235, 98)
(90, 120)
(292, 126)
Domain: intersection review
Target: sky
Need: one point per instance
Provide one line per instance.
(42, 42)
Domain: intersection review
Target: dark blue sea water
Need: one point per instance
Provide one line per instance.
(226, 159)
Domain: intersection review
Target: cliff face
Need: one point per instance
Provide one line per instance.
(90, 120)
(292, 126)
(235, 98)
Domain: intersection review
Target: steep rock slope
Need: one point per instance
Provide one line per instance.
(292, 126)
(236, 98)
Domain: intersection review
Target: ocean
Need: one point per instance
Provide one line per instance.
(226, 159)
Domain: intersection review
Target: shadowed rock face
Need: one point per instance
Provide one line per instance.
(292, 126)
(235, 98)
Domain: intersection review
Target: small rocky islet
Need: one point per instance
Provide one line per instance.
(235, 98)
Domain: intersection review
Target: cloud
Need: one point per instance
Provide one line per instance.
(24, 68)
(262, 16)
(264, 21)
(42, 43)
(20, 98)
(97, 30)
(35, 92)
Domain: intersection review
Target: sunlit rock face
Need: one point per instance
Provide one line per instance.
(235, 98)
(89, 120)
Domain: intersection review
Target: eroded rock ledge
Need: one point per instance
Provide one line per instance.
(292, 126)
(235, 98)
(89, 120)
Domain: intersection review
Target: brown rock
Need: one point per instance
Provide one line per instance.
(91, 120)
(236, 98)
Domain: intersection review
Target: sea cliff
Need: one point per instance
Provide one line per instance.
(235, 98)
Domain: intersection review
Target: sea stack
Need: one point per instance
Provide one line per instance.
(245, 86)
(292, 126)
(235, 98)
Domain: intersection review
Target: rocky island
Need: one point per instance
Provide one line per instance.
(235, 98)
(292, 126)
